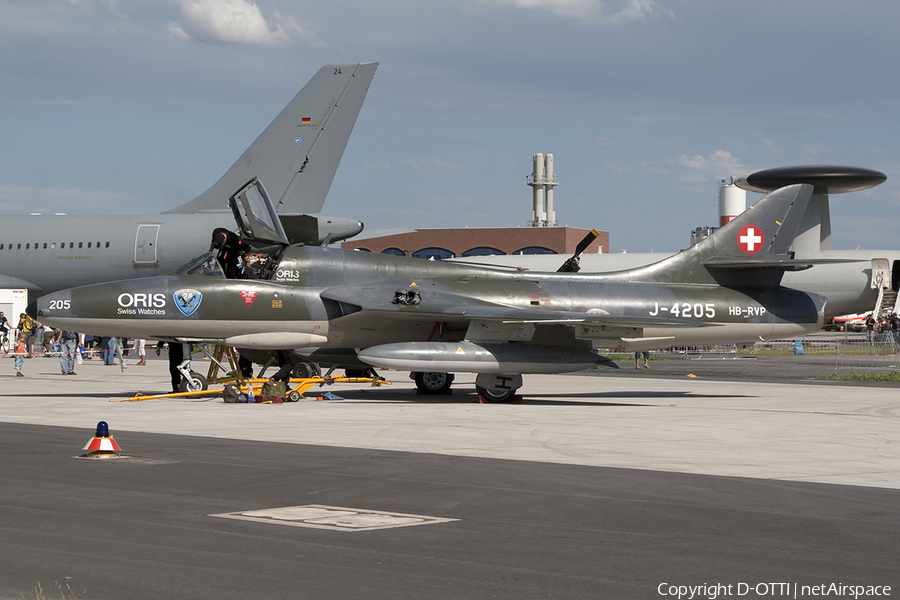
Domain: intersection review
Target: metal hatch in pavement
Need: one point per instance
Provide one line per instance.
(336, 518)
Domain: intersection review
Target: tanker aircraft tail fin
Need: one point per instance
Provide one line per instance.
(298, 153)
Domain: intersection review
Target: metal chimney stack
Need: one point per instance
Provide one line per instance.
(732, 201)
(542, 178)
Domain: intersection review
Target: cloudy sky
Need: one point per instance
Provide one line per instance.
(135, 106)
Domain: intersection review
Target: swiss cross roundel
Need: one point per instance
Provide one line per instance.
(750, 239)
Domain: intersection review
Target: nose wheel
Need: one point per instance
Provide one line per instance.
(191, 381)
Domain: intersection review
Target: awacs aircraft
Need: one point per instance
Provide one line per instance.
(297, 155)
(424, 316)
(855, 282)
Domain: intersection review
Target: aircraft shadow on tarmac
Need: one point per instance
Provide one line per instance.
(388, 396)
(464, 396)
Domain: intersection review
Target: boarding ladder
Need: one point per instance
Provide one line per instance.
(887, 300)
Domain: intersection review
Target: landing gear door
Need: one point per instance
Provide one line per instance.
(255, 215)
(881, 273)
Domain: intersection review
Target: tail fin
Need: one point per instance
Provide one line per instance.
(298, 153)
(815, 230)
(751, 249)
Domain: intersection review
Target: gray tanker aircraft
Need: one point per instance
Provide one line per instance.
(855, 283)
(438, 317)
(297, 155)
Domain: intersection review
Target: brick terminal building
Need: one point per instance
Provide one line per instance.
(452, 243)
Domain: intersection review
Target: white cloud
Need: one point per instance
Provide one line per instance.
(236, 22)
(98, 6)
(716, 166)
(434, 162)
(602, 142)
(603, 12)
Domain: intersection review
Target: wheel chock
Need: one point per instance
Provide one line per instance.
(479, 399)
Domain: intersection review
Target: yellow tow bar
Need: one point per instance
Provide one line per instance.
(293, 394)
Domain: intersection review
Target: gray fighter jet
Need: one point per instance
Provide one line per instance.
(436, 317)
(297, 155)
(855, 284)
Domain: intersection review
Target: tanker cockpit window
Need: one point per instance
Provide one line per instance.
(205, 265)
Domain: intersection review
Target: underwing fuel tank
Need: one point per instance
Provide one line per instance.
(449, 357)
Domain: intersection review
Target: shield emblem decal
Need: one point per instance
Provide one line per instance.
(187, 301)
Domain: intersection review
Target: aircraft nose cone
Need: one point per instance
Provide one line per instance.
(31, 309)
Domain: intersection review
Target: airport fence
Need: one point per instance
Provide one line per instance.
(851, 352)
(857, 354)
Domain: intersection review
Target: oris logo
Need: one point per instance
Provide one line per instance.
(288, 274)
(142, 300)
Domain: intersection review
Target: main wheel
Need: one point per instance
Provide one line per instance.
(493, 396)
(433, 384)
(4, 345)
(196, 383)
(304, 370)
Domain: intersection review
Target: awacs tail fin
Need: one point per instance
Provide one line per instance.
(752, 249)
(298, 153)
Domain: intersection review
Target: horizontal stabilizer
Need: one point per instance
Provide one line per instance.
(785, 265)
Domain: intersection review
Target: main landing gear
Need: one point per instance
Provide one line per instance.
(431, 383)
(491, 387)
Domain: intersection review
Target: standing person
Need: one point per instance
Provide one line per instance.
(108, 350)
(141, 351)
(89, 341)
(287, 360)
(870, 328)
(637, 359)
(68, 344)
(20, 356)
(176, 355)
(26, 329)
(4, 328)
(50, 337)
